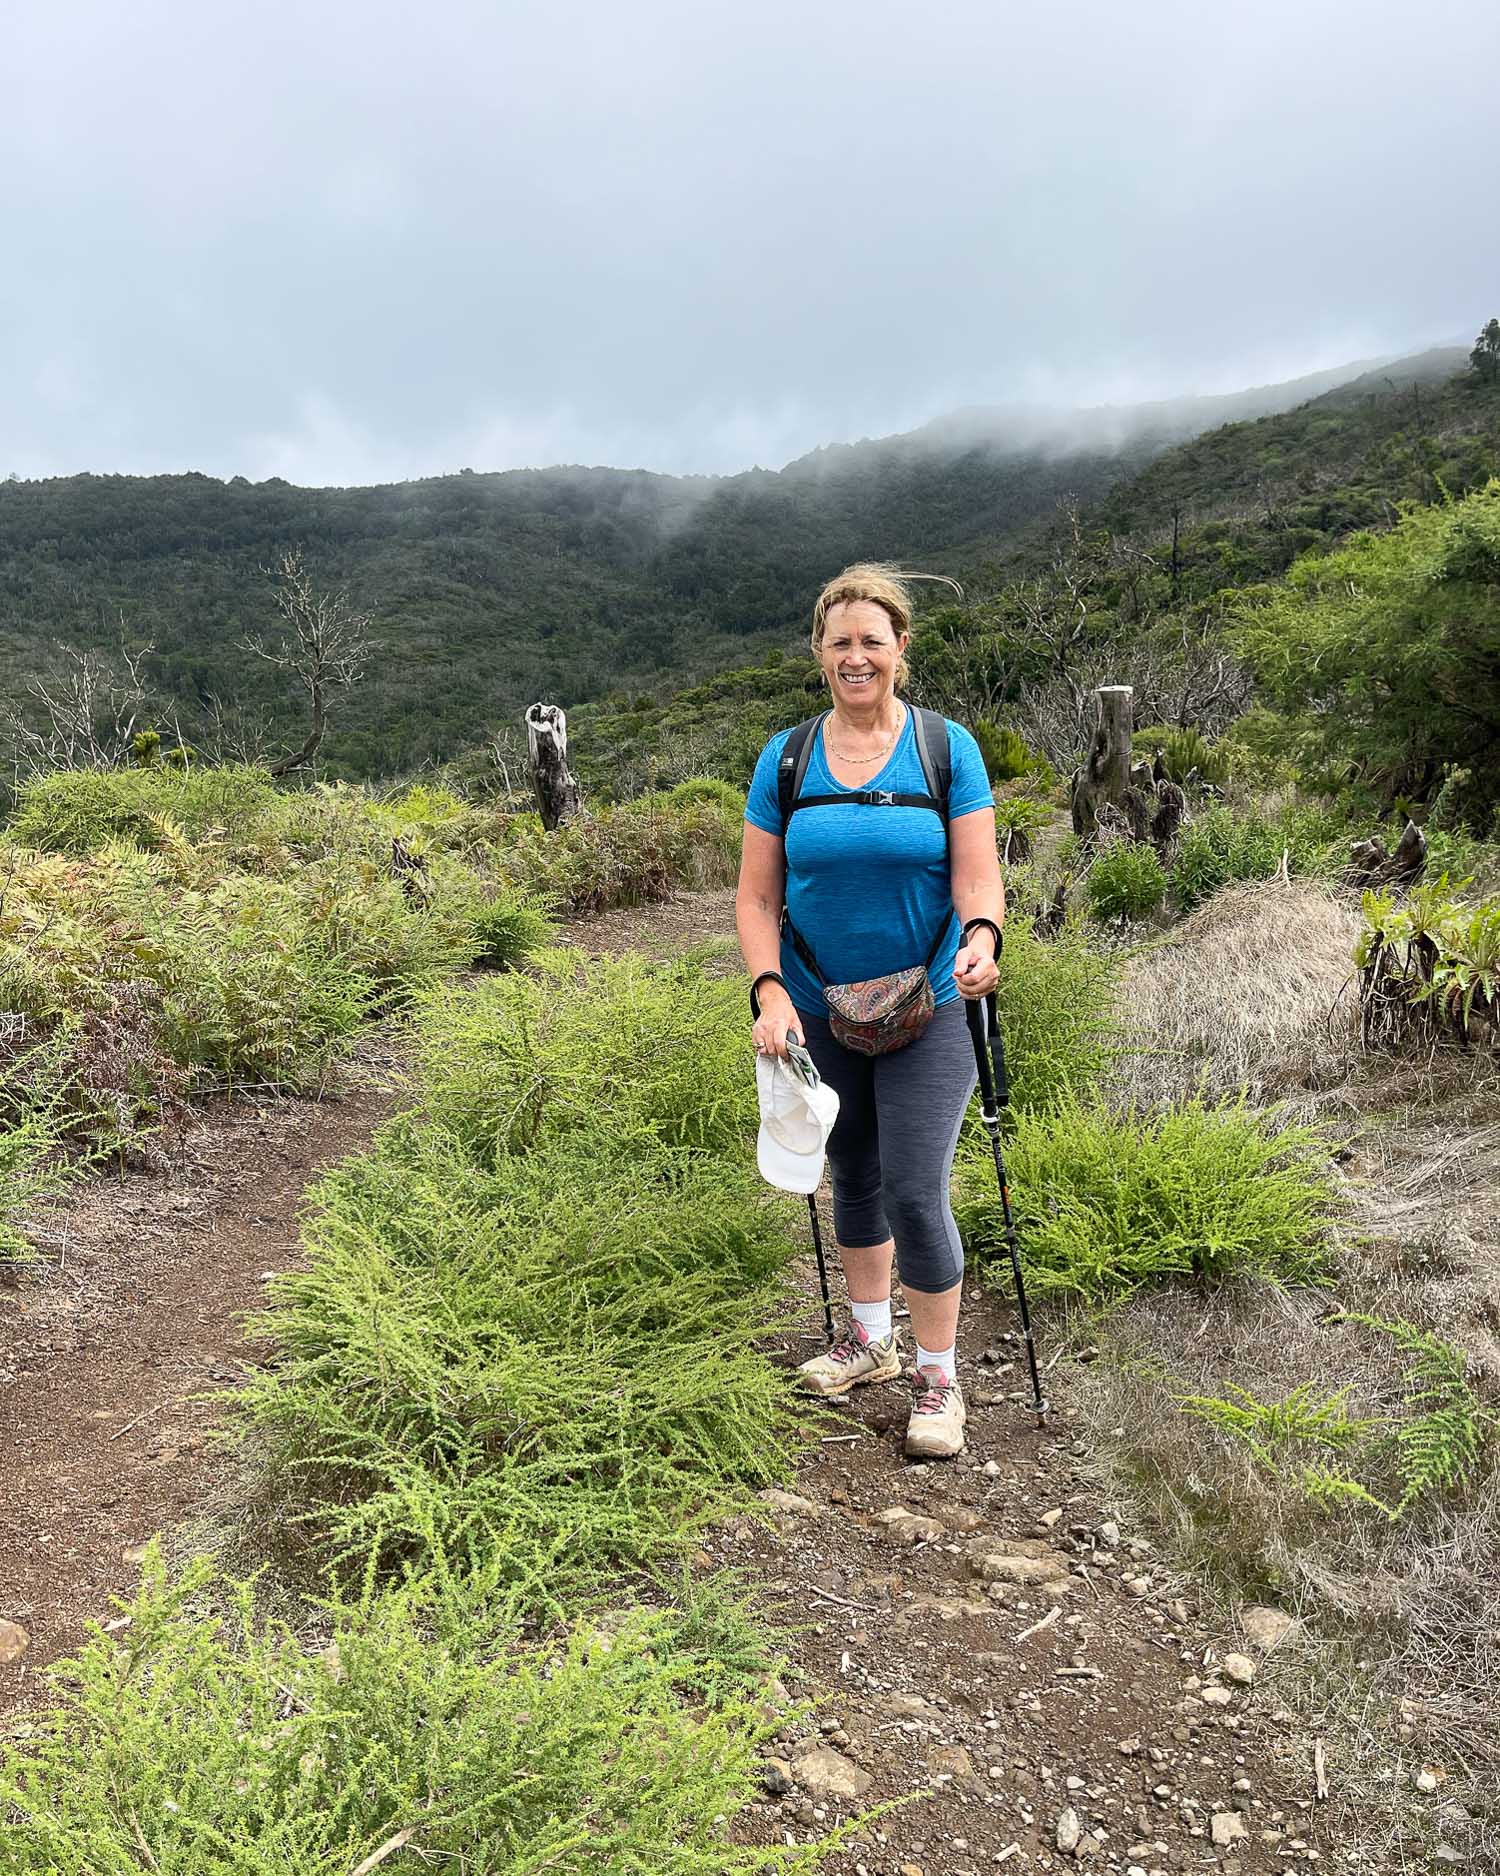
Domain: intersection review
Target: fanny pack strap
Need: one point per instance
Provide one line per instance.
(804, 950)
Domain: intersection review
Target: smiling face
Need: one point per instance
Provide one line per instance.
(861, 654)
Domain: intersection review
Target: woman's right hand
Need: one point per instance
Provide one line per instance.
(777, 1020)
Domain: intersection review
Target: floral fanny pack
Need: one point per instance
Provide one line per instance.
(881, 1014)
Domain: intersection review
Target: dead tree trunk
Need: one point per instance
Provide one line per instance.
(558, 796)
(1105, 774)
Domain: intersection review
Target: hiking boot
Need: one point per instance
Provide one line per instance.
(936, 1427)
(853, 1360)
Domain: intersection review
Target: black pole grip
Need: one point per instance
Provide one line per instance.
(984, 1027)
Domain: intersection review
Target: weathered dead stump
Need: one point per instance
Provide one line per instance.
(1050, 919)
(1166, 822)
(1371, 862)
(1105, 774)
(558, 796)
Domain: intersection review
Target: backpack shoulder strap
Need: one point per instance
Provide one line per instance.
(931, 731)
(796, 753)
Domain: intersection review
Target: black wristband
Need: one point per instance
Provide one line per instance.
(766, 977)
(991, 925)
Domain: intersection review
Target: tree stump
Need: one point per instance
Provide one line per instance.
(1372, 864)
(1105, 774)
(558, 795)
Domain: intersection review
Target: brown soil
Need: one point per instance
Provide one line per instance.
(110, 1350)
(112, 1347)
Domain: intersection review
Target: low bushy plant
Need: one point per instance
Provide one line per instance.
(33, 1093)
(550, 1365)
(1056, 1007)
(78, 811)
(1106, 1204)
(1006, 753)
(661, 1049)
(1126, 880)
(1184, 752)
(712, 789)
(205, 1741)
(635, 854)
(508, 928)
(1223, 846)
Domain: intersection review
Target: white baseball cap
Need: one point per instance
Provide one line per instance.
(797, 1112)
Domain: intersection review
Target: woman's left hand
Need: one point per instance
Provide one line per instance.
(975, 971)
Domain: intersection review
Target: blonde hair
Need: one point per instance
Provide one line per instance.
(882, 585)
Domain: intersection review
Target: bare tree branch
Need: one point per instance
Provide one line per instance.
(324, 649)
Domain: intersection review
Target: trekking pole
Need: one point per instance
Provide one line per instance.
(994, 1091)
(812, 1212)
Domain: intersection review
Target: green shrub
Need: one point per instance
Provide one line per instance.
(1018, 821)
(80, 810)
(713, 790)
(1183, 751)
(509, 928)
(1223, 846)
(1056, 1006)
(32, 1123)
(635, 854)
(218, 1744)
(550, 1366)
(1105, 1205)
(1126, 881)
(1006, 753)
(660, 1049)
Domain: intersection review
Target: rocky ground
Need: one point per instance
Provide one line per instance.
(985, 1632)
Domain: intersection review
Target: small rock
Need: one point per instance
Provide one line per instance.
(1069, 1832)
(792, 1504)
(1227, 1827)
(954, 1760)
(1129, 1748)
(1049, 1520)
(1215, 1696)
(776, 1776)
(1267, 1628)
(992, 1469)
(825, 1771)
(1239, 1668)
(910, 1527)
(1429, 1778)
(14, 1641)
(1109, 1534)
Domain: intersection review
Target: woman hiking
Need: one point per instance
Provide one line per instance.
(869, 849)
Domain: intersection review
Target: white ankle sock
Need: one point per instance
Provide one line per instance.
(944, 1358)
(873, 1318)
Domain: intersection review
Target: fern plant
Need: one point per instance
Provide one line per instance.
(1439, 1441)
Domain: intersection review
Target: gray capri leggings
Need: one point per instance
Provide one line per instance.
(891, 1150)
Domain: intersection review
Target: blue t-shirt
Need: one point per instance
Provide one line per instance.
(868, 888)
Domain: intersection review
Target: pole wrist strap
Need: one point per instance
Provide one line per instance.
(766, 977)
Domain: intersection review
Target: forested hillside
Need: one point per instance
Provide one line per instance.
(1141, 585)
(487, 590)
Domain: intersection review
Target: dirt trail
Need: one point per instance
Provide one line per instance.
(1110, 1720)
(109, 1347)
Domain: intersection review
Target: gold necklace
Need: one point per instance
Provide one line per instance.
(884, 749)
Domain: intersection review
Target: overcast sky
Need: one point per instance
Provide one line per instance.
(356, 242)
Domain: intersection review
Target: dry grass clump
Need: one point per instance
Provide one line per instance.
(1400, 1659)
(1247, 995)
